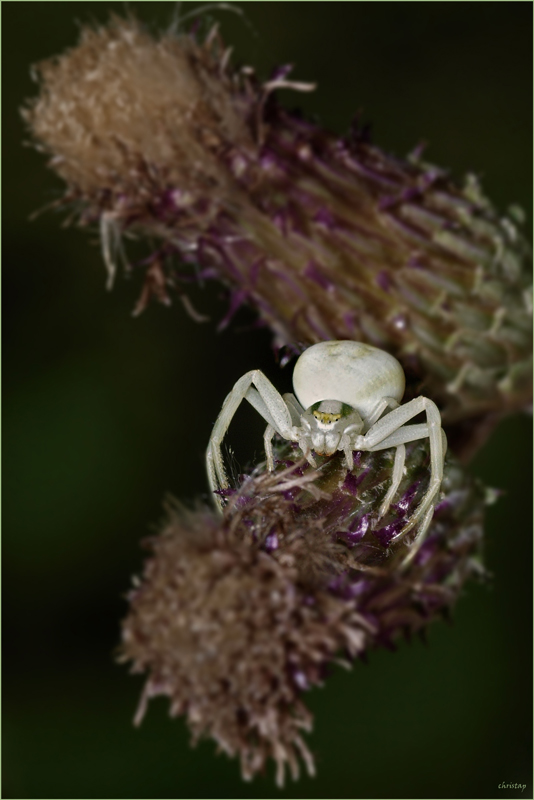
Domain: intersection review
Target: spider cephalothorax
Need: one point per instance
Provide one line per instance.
(327, 426)
(347, 397)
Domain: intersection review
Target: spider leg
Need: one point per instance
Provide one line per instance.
(267, 401)
(407, 433)
(268, 443)
(348, 450)
(295, 408)
(419, 539)
(295, 411)
(254, 398)
(347, 440)
(389, 431)
(398, 471)
(303, 426)
(374, 416)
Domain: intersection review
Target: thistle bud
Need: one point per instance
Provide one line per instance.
(237, 616)
(326, 238)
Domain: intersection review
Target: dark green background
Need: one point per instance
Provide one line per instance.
(104, 413)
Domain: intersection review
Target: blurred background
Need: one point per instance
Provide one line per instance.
(104, 414)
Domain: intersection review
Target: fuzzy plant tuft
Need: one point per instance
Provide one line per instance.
(324, 237)
(236, 617)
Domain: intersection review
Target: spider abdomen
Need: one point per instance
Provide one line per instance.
(350, 372)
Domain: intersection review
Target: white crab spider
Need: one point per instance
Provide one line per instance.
(347, 398)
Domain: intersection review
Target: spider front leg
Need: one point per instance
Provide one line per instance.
(296, 411)
(268, 444)
(351, 436)
(391, 431)
(260, 392)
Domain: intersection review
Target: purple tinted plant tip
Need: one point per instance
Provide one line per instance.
(326, 238)
(271, 593)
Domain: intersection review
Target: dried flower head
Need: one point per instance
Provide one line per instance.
(326, 238)
(236, 617)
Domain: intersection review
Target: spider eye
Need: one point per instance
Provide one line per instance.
(324, 417)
